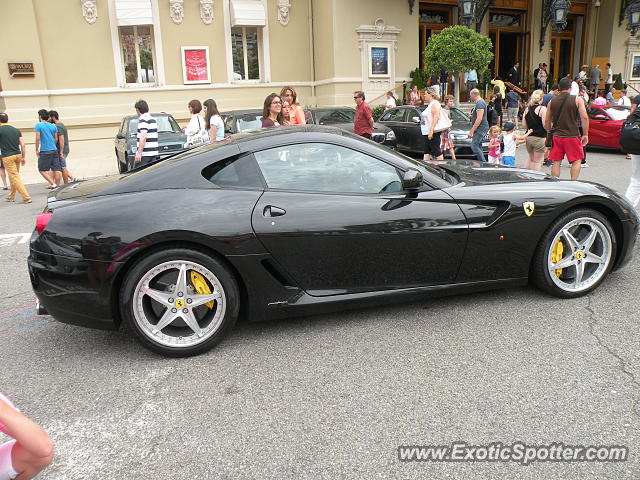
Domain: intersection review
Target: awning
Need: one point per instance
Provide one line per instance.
(134, 12)
(248, 12)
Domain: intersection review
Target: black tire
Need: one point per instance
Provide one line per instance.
(137, 308)
(604, 248)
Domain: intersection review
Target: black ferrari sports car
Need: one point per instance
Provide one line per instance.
(301, 220)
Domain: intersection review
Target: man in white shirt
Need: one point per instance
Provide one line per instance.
(608, 79)
(575, 88)
(624, 100)
(147, 136)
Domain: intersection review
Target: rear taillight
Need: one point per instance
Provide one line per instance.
(42, 220)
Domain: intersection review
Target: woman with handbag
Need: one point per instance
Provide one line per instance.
(434, 122)
(196, 131)
(533, 119)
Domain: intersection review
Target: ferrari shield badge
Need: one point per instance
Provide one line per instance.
(529, 207)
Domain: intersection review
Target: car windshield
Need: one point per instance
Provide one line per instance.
(166, 124)
(332, 117)
(458, 116)
(248, 121)
(617, 113)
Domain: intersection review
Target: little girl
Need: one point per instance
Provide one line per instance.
(30, 449)
(494, 144)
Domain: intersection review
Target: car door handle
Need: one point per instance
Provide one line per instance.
(272, 211)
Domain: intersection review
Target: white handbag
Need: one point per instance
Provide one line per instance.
(199, 138)
(443, 122)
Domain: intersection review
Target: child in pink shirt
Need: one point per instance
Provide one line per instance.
(31, 449)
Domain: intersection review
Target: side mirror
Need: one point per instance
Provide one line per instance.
(412, 180)
(415, 119)
(600, 116)
(120, 136)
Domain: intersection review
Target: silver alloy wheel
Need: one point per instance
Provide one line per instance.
(174, 314)
(587, 253)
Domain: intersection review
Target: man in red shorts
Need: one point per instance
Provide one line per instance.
(562, 116)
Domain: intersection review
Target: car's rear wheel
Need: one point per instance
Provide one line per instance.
(179, 302)
(575, 254)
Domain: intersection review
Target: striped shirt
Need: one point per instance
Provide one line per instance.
(148, 124)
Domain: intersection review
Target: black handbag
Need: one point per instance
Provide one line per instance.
(549, 141)
(630, 134)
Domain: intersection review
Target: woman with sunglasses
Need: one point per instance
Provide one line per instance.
(272, 111)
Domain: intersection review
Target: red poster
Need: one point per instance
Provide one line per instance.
(196, 67)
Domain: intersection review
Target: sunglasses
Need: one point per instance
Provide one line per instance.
(355, 98)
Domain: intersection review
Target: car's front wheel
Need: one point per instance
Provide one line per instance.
(179, 302)
(575, 255)
(121, 167)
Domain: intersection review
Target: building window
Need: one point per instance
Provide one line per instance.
(245, 50)
(136, 45)
(635, 67)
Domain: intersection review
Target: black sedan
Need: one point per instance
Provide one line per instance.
(405, 122)
(343, 117)
(170, 138)
(301, 220)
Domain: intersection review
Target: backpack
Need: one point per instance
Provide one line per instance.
(492, 115)
(630, 134)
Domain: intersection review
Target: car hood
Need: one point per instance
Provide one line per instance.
(171, 137)
(471, 172)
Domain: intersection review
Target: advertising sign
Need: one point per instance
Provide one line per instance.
(195, 65)
(379, 61)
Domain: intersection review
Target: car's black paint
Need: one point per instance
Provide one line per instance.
(342, 117)
(328, 251)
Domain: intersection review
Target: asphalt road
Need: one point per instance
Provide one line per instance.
(333, 396)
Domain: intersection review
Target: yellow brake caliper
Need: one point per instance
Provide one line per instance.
(556, 255)
(201, 286)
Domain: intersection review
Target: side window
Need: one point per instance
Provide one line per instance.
(320, 167)
(236, 172)
(228, 123)
(458, 116)
(393, 115)
(332, 117)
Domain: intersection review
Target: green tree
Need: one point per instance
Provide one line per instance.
(457, 49)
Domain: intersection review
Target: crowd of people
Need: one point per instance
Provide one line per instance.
(52, 150)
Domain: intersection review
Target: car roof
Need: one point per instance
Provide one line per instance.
(318, 109)
(162, 114)
(242, 112)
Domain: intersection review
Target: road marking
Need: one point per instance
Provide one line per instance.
(8, 239)
(24, 320)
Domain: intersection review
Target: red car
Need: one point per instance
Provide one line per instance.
(605, 122)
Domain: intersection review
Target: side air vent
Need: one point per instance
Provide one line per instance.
(276, 273)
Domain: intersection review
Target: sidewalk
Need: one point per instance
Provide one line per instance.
(87, 158)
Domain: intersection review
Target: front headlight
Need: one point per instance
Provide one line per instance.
(134, 149)
(390, 135)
